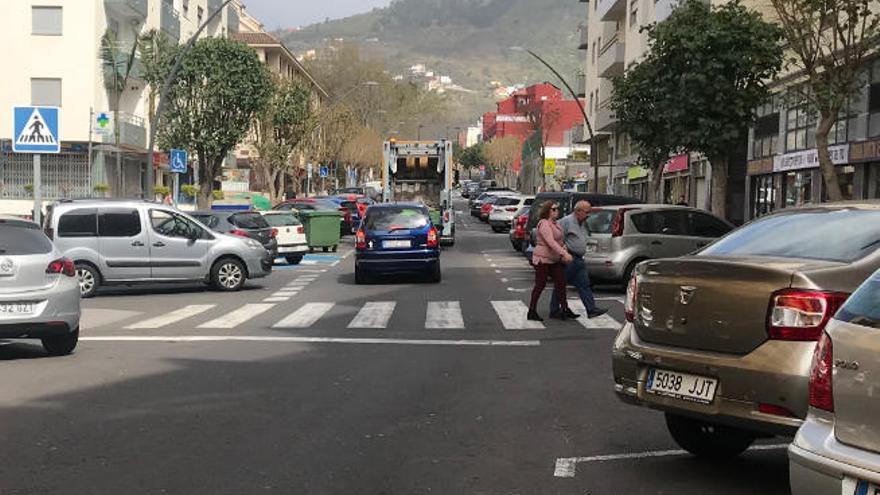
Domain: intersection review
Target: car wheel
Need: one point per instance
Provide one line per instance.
(293, 260)
(228, 275)
(61, 345)
(89, 280)
(436, 274)
(708, 440)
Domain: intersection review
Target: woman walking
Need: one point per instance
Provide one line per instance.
(548, 258)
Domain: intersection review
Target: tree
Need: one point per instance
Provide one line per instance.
(708, 67)
(279, 130)
(219, 89)
(830, 41)
(501, 153)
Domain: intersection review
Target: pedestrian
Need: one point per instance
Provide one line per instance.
(575, 233)
(548, 257)
(681, 201)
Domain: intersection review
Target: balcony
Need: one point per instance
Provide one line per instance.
(584, 36)
(612, 10)
(127, 9)
(169, 21)
(606, 121)
(611, 57)
(581, 85)
(132, 133)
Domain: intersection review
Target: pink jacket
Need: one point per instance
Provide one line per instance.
(549, 249)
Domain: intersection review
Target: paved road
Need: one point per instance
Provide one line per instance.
(308, 383)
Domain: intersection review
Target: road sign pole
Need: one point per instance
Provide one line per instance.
(38, 196)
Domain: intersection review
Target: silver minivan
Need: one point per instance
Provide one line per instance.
(626, 235)
(133, 241)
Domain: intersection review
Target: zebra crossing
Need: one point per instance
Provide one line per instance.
(375, 315)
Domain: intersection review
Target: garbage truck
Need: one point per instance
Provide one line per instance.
(421, 172)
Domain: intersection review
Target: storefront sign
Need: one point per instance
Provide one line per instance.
(677, 164)
(868, 151)
(810, 158)
(634, 173)
(760, 167)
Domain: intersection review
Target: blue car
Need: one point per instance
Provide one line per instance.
(397, 238)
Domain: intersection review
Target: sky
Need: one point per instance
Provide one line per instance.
(276, 14)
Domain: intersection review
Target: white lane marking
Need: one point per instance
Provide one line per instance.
(602, 322)
(444, 315)
(305, 316)
(513, 316)
(566, 466)
(314, 340)
(237, 317)
(172, 317)
(276, 299)
(373, 315)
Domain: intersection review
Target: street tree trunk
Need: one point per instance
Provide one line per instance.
(719, 185)
(826, 166)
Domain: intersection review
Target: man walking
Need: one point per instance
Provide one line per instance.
(575, 233)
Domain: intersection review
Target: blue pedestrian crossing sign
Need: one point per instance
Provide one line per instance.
(178, 161)
(35, 130)
(325, 172)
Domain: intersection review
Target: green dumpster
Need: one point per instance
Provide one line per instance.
(322, 228)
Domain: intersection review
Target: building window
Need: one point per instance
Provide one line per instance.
(46, 92)
(633, 13)
(46, 21)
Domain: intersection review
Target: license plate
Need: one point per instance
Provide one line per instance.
(851, 486)
(396, 244)
(16, 308)
(682, 386)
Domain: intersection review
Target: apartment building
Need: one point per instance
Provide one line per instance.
(53, 59)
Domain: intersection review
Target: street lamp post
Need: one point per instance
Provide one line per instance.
(594, 156)
(163, 95)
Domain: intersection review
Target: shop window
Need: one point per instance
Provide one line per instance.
(798, 188)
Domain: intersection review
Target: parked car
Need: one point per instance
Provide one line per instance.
(721, 340)
(837, 449)
(397, 238)
(314, 204)
(291, 237)
(518, 235)
(249, 224)
(627, 235)
(503, 210)
(127, 242)
(39, 292)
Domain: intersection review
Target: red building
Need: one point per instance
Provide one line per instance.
(539, 106)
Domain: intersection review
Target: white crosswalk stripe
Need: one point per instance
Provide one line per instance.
(239, 316)
(373, 315)
(444, 315)
(605, 321)
(513, 316)
(172, 317)
(305, 316)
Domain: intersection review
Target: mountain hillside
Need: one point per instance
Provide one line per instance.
(468, 40)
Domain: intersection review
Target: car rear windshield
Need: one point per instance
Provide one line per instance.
(396, 219)
(19, 238)
(600, 221)
(863, 307)
(249, 221)
(282, 220)
(843, 235)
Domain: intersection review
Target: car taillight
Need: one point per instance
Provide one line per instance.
(300, 230)
(274, 233)
(64, 266)
(239, 233)
(432, 238)
(629, 305)
(360, 240)
(821, 388)
(617, 223)
(801, 315)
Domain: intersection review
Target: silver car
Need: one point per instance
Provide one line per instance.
(39, 293)
(126, 242)
(837, 449)
(626, 235)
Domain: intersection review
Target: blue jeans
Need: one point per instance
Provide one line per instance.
(576, 275)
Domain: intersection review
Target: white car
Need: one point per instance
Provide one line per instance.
(292, 242)
(504, 209)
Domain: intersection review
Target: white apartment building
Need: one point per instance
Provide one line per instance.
(53, 59)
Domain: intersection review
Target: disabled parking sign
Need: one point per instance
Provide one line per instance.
(35, 130)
